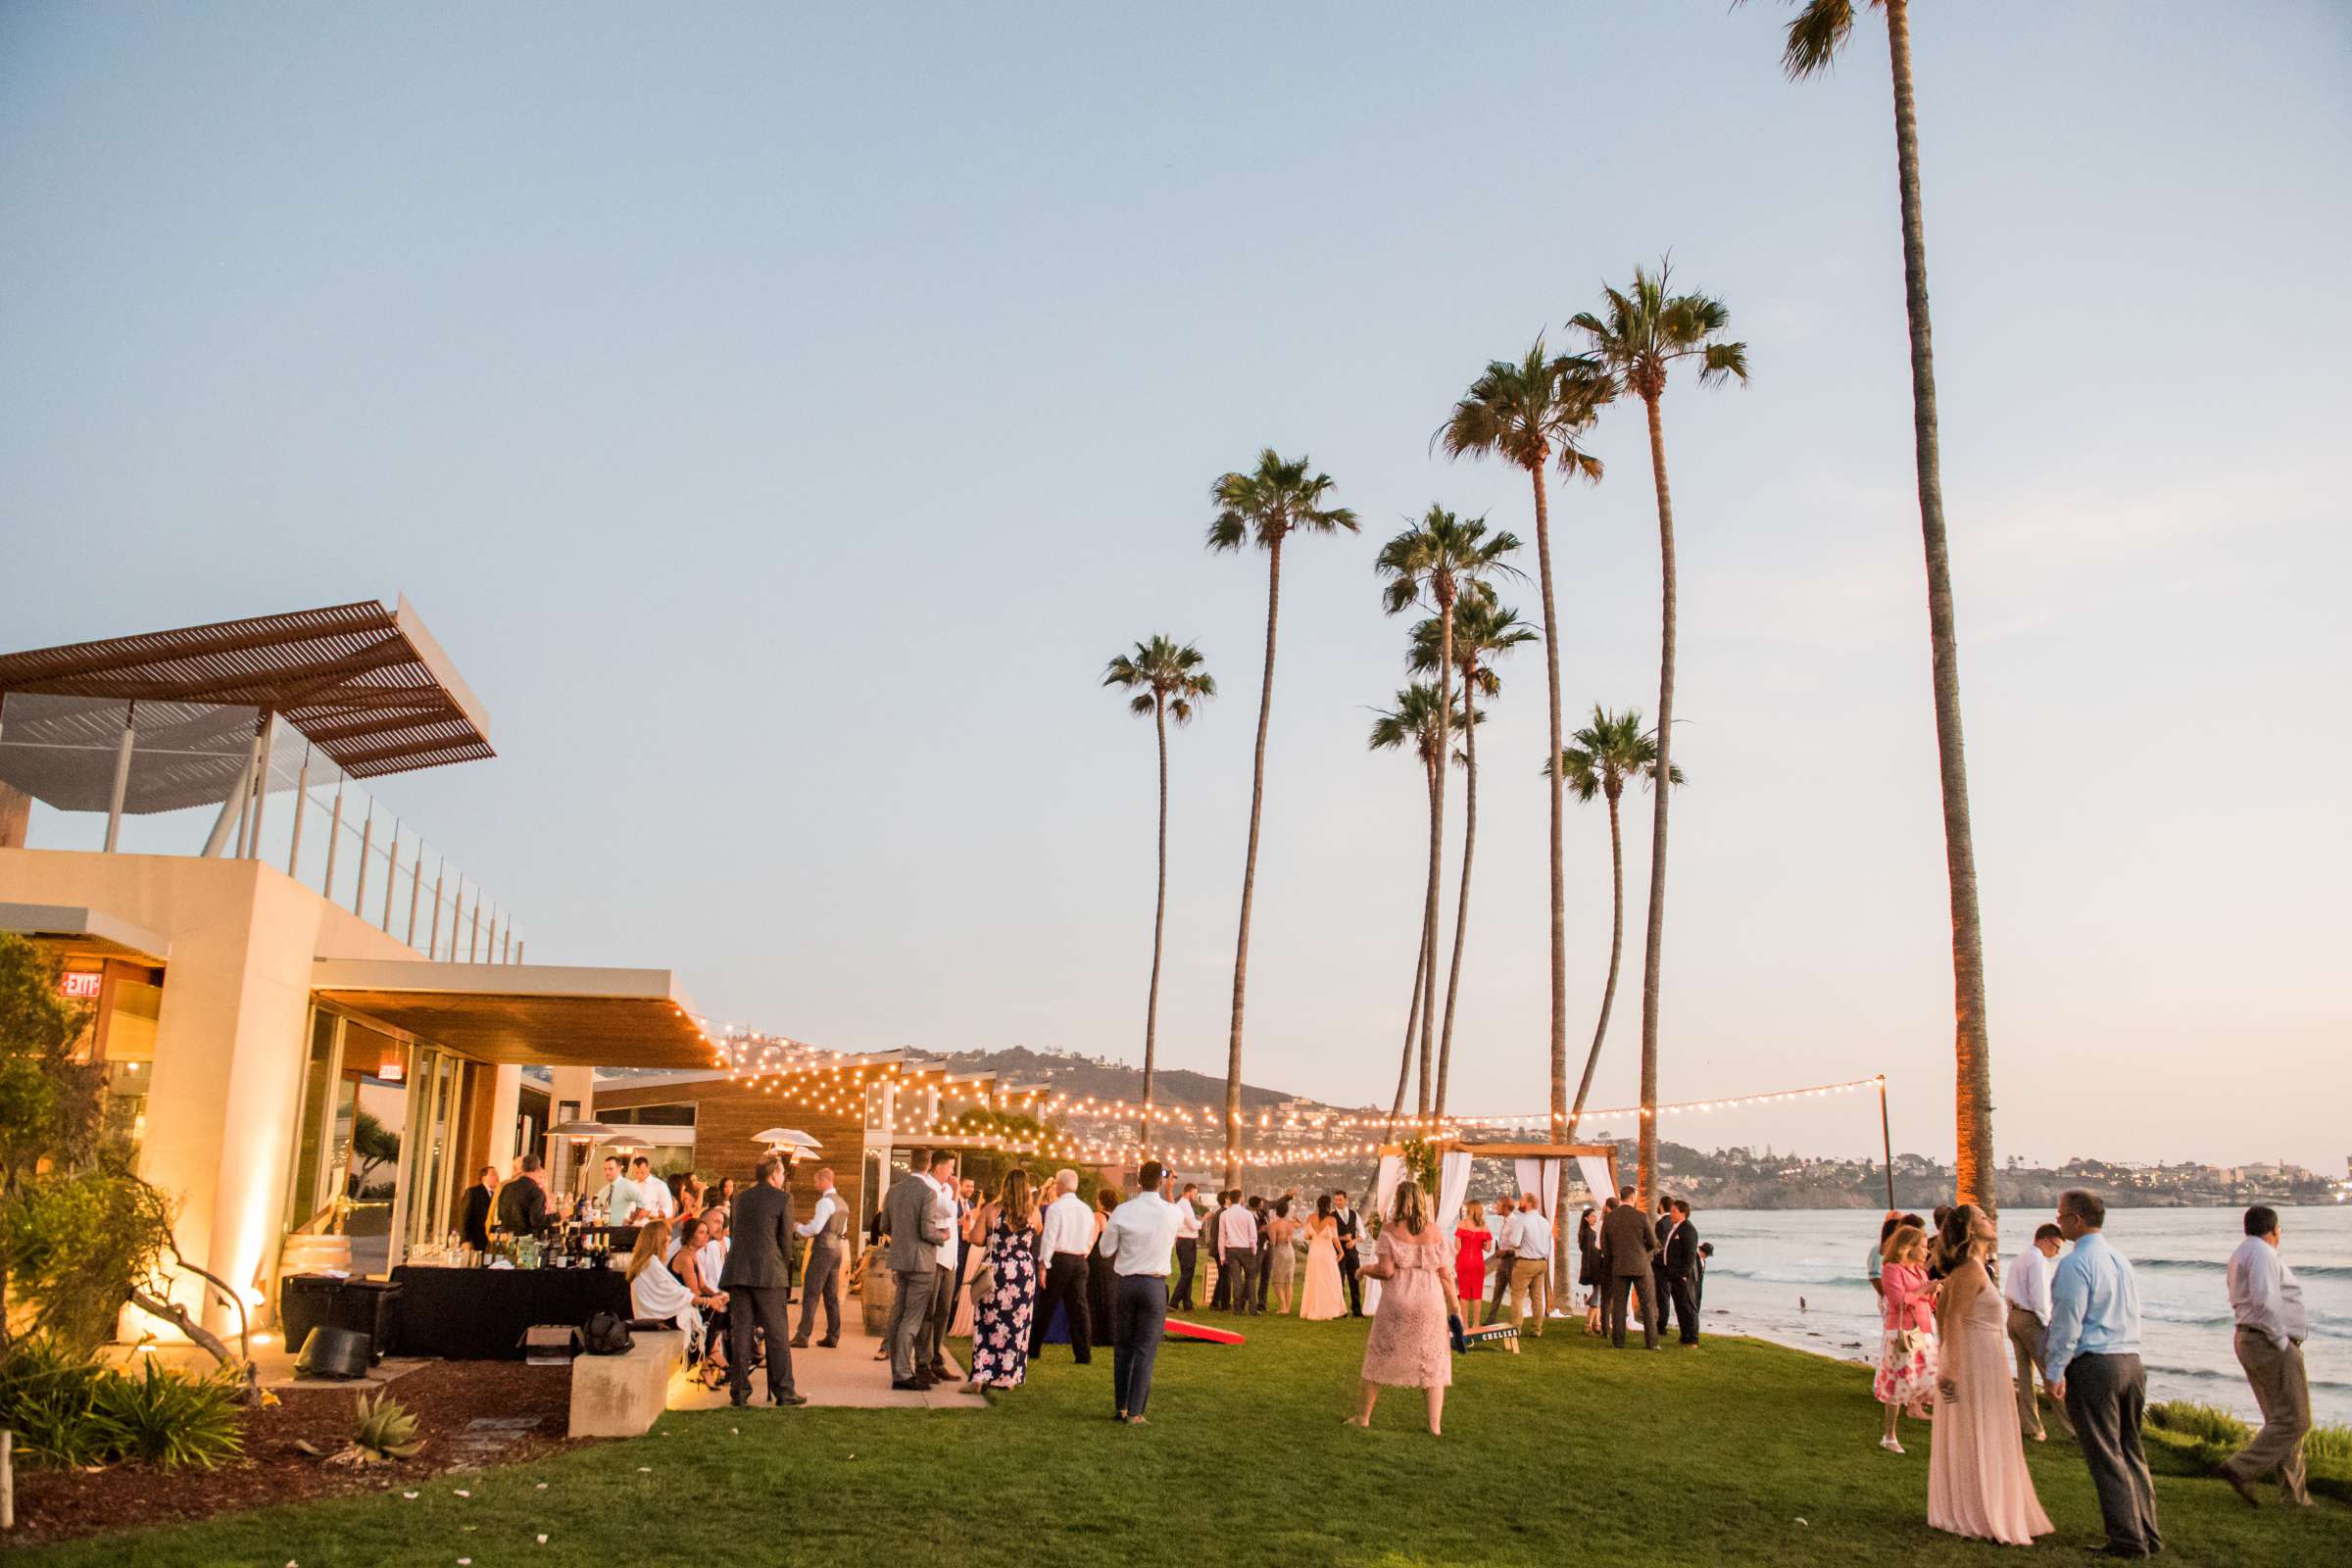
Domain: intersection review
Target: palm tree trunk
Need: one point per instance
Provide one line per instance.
(1437, 865)
(1461, 908)
(1971, 1048)
(1413, 1019)
(1160, 918)
(1240, 951)
(1608, 995)
(1653, 952)
(1559, 864)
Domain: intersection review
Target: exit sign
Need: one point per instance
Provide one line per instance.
(80, 984)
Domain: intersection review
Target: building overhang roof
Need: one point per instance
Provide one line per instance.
(365, 684)
(558, 1015)
(87, 929)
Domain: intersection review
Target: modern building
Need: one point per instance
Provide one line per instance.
(312, 1021)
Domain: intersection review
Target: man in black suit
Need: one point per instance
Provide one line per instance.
(1680, 1254)
(1350, 1228)
(473, 1221)
(758, 1283)
(1213, 1227)
(1660, 1296)
(522, 1203)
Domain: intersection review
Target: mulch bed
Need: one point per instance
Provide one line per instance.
(52, 1504)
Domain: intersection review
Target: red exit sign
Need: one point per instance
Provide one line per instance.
(80, 984)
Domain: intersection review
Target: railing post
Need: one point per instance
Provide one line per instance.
(359, 892)
(416, 890)
(113, 810)
(302, 795)
(391, 875)
(260, 781)
(335, 840)
(432, 944)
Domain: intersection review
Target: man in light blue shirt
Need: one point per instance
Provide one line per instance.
(2090, 1358)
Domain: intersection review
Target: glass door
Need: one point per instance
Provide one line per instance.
(434, 1101)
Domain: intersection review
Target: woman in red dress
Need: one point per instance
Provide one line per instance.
(1472, 1242)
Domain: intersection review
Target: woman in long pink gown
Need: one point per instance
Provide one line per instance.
(1408, 1346)
(1978, 1485)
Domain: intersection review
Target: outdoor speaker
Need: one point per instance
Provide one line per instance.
(332, 1353)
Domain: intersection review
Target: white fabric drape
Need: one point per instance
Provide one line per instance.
(1595, 1169)
(1541, 1177)
(1453, 1184)
(1384, 1186)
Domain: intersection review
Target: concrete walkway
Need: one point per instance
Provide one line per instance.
(847, 1375)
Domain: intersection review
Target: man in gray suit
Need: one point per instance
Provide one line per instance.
(1628, 1245)
(912, 1213)
(758, 1283)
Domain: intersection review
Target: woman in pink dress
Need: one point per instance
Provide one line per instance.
(1978, 1485)
(1906, 1379)
(1408, 1346)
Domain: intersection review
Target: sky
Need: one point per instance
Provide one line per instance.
(781, 413)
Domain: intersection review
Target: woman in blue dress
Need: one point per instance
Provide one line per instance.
(1001, 1319)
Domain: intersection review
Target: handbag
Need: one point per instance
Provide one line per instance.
(984, 1282)
(604, 1334)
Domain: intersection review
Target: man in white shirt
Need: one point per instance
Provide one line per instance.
(618, 1195)
(1064, 1239)
(2267, 1300)
(827, 1233)
(1529, 1235)
(1237, 1246)
(1188, 1246)
(651, 1194)
(2026, 1289)
(949, 1212)
(1138, 1238)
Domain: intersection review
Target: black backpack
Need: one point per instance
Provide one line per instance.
(604, 1334)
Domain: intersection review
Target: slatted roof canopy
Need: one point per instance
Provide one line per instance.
(365, 684)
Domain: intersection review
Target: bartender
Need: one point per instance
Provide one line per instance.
(522, 1202)
(618, 1196)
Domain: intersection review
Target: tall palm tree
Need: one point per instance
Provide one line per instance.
(1168, 682)
(1483, 632)
(1529, 413)
(1638, 336)
(1431, 562)
(1420, 720)
(1819, 30)
(1612, 749)
(1265, 506)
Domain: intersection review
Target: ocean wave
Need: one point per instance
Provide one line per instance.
(1807, 1272)
(2166, 1313)
(2207, 1374)
(2199, 1266)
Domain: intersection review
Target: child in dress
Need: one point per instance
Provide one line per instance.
(1907, 1377)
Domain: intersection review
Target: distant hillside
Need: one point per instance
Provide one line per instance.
(1078, 1077)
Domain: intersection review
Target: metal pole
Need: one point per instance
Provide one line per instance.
(260, 781)
(1887, 1141)
(416, 889)
(473, 938)
(432, 944)
(391, 875)
(506, 950)
(359, 893)
(456, 917)
(113, 810)
(335, 838)
(517, 953)
(302, 795)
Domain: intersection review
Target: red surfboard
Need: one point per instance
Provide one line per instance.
(1179, 1329)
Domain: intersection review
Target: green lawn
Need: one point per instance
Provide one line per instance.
(1738, 1454)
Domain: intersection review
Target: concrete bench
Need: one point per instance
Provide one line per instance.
(623, 1396)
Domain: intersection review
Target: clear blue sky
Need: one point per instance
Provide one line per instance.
(781, 415)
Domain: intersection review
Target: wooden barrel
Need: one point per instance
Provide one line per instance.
(877, 1289)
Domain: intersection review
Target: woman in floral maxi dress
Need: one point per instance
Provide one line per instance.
(1907, 1360)
(1000, 1326)
(1408, 1346)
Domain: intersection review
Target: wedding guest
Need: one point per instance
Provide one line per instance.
(1187, 1246)
(910, 1214)
(1942, 1214)
(1472, 1239)
(711, 1260)
(1237, 1244)
(653, 1200)
(827, 1234)
(683, 1252)
(1591, 1274)
(726, 1192)
(757, 1281)
(2027, 1292)
(1978, 1485)
(1006, 1288)
(1066, 1236)
(1663, 1224)
(522, 1202)
(1283, 1266)
(1261, 1271)
(1706, 1256)
(617, 1197)
(473, 1224)
(658, 1295)
(1680, 1249)
(1507, 1257)
(1351, 1234)
(1531, 1264)
(1907, 1377)
(1137, 1240)
(1408, 1346)
(1221, 1293)
(2267, 1300)
(948, 1212)
(1099, 1279)
(1878, 1252)
(1627, 1245)
(2091, 1357)
(689, 1193)
(1323, 1298)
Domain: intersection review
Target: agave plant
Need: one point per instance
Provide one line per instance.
(385, 1431)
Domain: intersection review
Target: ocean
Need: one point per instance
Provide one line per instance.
(1796, 1277)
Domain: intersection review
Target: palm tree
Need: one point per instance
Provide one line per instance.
(1638, 339)
(1483, 632)
(1168, 682)
(1434, 561)
(1528, 413)
(1820, 29)
(1419, 718)
(1611, 750)
(1267, 505)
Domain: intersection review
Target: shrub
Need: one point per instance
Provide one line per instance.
(46, 1393)
(168, 1420)
(2201, 1422)
(385, 1432)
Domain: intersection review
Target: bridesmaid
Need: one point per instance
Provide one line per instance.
(1978, 1485)
(1004, 1312)
(1907, 1377)
(1408, 1346)
(1472, 1242)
